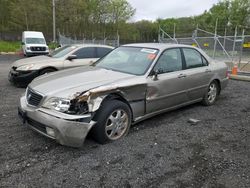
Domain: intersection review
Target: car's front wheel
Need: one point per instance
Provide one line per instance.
(113, 121)
(211, 94)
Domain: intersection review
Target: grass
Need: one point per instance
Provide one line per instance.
(7, 46)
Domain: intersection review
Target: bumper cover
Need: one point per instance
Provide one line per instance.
(33, 53)
(22, 78)
(70, 130)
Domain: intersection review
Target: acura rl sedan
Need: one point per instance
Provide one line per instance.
(132, 83)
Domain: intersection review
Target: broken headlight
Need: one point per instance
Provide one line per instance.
(78, 107)
(66, 106)
(58, 104)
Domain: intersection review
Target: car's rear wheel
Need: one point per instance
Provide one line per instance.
(211, 94)
(113, 121)
(46, 71)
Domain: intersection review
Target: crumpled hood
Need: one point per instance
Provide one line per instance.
(34, 60)
(68, 82)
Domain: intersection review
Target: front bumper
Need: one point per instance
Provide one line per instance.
(70, 130)
(33, 53)
(22, 78)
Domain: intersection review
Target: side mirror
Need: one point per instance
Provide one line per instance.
(22, 43)
(155, 74)
(71, 57)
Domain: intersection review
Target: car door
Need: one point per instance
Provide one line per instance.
(166, 90)
(198, 73)
(84, 56)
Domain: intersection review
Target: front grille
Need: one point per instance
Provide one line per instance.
(37, 49)
(33, 98)
(37, 125)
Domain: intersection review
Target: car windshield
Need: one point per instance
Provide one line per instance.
(35, 41)
(61, 52)
(132, 60)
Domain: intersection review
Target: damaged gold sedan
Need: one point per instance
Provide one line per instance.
(130, 84)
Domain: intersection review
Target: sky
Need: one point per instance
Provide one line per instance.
(153, 9)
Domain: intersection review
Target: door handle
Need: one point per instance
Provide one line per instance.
(208, 71)
(182, 76)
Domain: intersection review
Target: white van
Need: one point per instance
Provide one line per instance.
(33, 43)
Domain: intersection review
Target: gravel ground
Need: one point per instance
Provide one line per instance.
(164, 151)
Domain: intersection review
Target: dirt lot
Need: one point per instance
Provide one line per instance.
(165, 151)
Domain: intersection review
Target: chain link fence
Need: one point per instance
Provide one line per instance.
(230, 49)
(63, 40)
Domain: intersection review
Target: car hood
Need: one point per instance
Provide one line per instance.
(77, 80)
(34, 60)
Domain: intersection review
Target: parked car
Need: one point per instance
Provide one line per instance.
(34, 43)
(130, 84)
(23, 71)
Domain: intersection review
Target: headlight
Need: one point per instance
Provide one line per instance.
(25, 67)
(28, 48)
(58, 104)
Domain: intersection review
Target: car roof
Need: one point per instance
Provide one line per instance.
(159, 46)
(90, 45)
(35, 34)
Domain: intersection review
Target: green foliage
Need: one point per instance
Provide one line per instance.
(53, 45)
(230, 13)
(73, 17)
(103, 18)
(9, 46)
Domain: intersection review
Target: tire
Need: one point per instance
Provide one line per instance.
(211, 94)
(113, 121)
(46, 71)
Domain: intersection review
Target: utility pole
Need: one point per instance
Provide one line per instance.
(54, 20)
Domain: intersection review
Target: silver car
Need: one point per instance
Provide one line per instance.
(23, 71)
(130, 84)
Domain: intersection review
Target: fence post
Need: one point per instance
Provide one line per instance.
(174, 34)
(159, 34)
(225, 34)
(118, 39)
(235, 35)
(215, 38)
(242, 43)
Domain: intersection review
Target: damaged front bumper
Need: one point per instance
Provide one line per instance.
(70, 130)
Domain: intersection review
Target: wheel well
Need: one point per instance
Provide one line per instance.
(47, 68)
(117, 96)
(219, 85)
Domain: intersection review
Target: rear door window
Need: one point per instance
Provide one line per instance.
(88, 52)
(193, 58)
